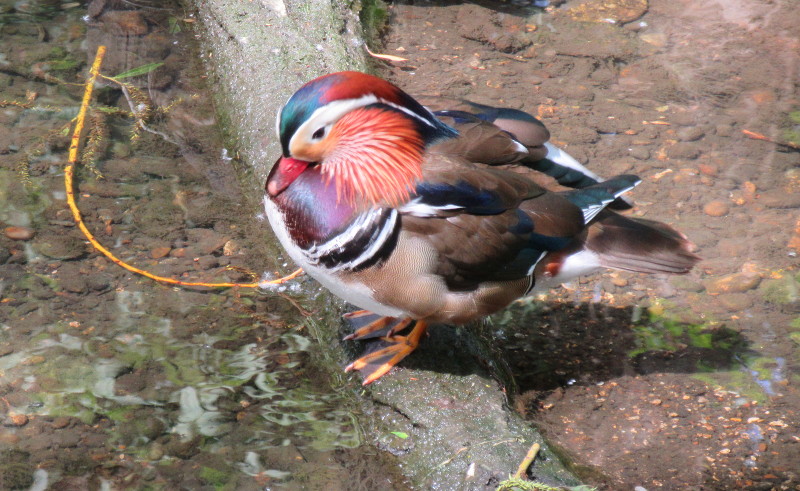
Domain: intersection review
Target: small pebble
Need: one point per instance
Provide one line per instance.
(640, 153)
(19, 233)
(735, 302)
(15, 419)
(708, 169)
(617, 281)
(8, 438)
(179, 252)
(205, 241)
(683, 150)
(716, 208)
(230, 248)
(724, 130)
(159, 252)
(6, 349)
(207, 262)
(689, 133)
(733, 283)
(98, 282)
(155, 452)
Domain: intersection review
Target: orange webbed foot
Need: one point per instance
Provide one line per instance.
(376, 364)
(367, 325)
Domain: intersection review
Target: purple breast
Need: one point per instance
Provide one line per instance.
(311, 210)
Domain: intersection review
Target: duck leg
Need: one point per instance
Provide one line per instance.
(376, 364)
(367, 325)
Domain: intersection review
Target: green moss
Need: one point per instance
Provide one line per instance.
(122, 414)
(373, 15)
(733, 380)
(780, 291)
(64, 65)
(214, 477)
(57, 52)
(663, 334)
(16, 469)
(791, 136)
(763, 366)
(61, 60)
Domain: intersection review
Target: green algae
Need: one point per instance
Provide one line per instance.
(215, 477)
(662, 333)
(373, 15)
(16, 470)
(735, 381)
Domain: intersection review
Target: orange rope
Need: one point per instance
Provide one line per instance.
(76, 214)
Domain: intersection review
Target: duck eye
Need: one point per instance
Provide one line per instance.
(318, 134)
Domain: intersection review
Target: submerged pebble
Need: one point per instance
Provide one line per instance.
(690, 133)
(159, 252)
(59, 246)
(778, 199)
(733, 283)
(716, 208)
(19, 233)
(735, 302)
(14, 418)
(640, 153)
(683, 150)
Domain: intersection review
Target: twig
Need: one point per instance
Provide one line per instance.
(759, 136)
(527, 461)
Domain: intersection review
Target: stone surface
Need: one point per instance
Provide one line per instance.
(264, 51)
(461, 433)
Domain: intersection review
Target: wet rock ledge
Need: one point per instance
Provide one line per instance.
(445, 414)
(260, 52)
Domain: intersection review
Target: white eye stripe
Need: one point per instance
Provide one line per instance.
(327, 115)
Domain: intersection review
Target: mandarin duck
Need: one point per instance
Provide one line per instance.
(419, 216)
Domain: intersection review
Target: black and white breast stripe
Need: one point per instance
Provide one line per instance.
(368, 240)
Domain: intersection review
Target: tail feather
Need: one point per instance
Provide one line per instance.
(639, 245)
(595, 198)
(570, 173)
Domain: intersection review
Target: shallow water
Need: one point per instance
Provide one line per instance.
(108, 379)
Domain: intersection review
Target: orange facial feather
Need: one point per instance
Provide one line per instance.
(375, 157)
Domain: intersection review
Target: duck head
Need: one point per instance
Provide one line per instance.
(363, 135)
